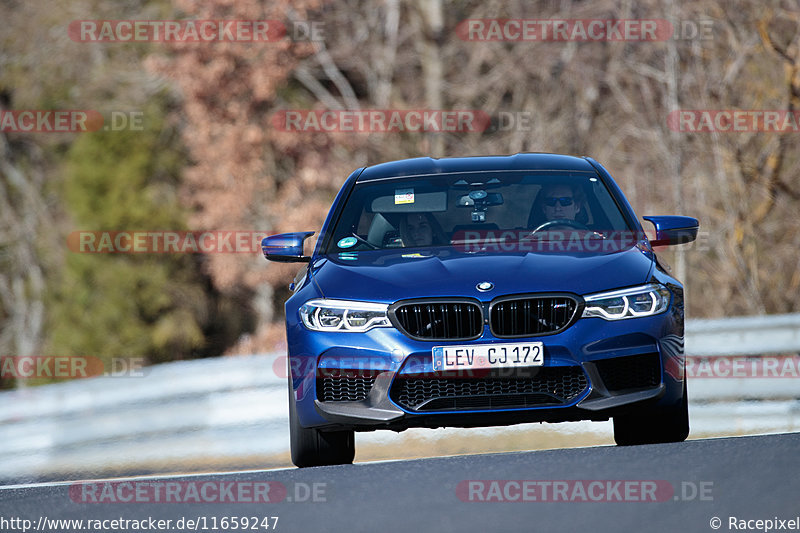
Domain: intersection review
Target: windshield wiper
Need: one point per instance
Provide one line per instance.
(365, 241)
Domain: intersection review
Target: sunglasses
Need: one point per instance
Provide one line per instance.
(563, 200)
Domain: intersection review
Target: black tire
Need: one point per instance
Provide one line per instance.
(312, 447)
(654, 426)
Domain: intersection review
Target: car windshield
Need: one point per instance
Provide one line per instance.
(446, 209)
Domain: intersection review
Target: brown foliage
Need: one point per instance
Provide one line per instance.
(609, 100)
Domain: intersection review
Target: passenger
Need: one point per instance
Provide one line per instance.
(421, 229)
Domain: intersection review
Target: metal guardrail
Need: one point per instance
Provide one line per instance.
(237, 406)
(752, 335)
(743, 338)
(218, 407)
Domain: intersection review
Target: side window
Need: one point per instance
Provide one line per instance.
(383, 233)
(608, 213)
(364, 223)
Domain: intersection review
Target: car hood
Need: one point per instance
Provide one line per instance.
(388, 276)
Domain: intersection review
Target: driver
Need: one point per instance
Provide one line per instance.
(558, 202)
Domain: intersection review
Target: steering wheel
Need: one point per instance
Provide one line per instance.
(559, 222)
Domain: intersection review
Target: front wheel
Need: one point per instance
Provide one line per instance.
(312, 447)
(655, 425)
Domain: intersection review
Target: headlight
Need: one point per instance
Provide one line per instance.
(646, 300)
(343, 315)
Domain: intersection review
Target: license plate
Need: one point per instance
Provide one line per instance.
(476, 356)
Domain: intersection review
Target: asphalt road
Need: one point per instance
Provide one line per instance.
(684, 486)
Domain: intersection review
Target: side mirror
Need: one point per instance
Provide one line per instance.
(673, 229)
(286, 247)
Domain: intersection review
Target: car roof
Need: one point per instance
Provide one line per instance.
(421, 166)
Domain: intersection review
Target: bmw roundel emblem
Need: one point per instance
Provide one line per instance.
(484, 286)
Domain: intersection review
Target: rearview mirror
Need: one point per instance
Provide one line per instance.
(486, 199)
(673, 229)
(286, 247)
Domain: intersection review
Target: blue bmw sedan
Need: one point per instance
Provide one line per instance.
(482, 291)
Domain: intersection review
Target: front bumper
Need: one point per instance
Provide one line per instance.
(379, 412)
(386, 352)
